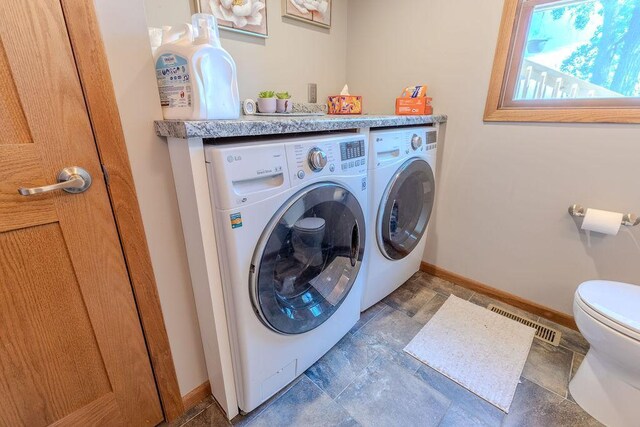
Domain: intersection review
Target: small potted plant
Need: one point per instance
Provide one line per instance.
(283, 103)
(267, 101)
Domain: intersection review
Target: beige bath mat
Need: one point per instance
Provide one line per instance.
(480, 350)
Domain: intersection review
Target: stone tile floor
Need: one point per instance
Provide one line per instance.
(366, 379)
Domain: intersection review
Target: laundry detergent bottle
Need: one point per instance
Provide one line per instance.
(216, 74)
(197, 78)
(173, 72)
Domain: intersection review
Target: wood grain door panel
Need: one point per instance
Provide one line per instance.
(20, 166)
(49, 350)
(101, 412)
(72, 350)
(13, 124)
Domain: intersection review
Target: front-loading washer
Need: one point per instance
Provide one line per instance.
(290, 217)
(402, 165)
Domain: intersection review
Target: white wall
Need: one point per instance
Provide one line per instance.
(503, 189)
(294, 55)
(125, 36)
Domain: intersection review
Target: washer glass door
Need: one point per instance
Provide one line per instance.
(405, 209)
(308, 258)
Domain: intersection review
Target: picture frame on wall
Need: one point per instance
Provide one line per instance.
(315, 12)
(248, 18)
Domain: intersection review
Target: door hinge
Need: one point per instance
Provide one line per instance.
(105, 173)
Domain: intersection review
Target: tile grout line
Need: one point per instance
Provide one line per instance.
(444, 415)
(195, 415)
(550, 391)
(275, 398)
(436, 390)
(411, 316)
(376, 315)
(364, 370)
(573, 359)
(571, 350)
(335, 401)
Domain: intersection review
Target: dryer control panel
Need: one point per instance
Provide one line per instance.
(396, 145)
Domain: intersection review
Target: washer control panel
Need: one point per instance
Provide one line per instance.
(352, 154)
(334, 155)
(317, 159)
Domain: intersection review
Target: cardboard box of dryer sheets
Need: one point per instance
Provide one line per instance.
(414, 102)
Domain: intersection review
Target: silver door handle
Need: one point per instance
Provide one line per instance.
(73, 180)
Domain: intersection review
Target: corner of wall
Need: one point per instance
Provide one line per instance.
(124, 32)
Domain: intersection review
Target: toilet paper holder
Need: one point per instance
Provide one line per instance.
(629, 219)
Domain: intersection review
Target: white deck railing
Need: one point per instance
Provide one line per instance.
(539, 82)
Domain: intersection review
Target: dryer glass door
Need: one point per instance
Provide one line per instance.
(405, 209)
(308, 258)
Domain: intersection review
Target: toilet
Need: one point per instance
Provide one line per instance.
(607, 384)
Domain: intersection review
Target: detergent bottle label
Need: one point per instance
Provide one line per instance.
(174, 81)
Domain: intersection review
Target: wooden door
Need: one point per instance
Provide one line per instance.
(72, 351)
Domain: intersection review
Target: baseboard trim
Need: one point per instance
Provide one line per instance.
(506, 297)
(196, 395)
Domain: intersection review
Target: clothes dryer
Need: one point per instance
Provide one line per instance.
(402, 165)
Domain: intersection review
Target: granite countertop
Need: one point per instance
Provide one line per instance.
(274, 125)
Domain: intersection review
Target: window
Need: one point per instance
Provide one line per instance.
(567, 61)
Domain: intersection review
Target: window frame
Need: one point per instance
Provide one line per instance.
(500, 106)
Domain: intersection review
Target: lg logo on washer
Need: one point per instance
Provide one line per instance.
(232, 159)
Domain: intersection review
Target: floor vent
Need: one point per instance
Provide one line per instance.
(543, 333)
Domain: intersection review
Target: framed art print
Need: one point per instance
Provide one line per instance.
(316, 12)
(242, 16)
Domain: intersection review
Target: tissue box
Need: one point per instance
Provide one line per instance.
(345, 104)
(414, 106)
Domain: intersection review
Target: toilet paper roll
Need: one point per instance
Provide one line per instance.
(602, 221)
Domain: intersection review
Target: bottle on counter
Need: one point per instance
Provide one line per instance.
(197, 78)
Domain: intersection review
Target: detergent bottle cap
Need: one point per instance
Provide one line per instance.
(177, 33)
(205, 29)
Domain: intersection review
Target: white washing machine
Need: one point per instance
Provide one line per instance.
(290, 217)
(402, 165)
